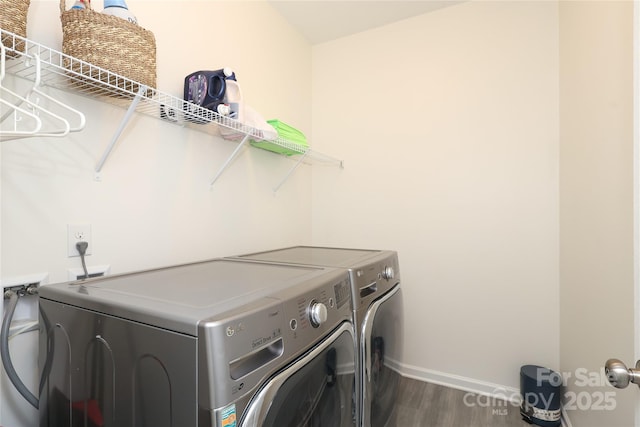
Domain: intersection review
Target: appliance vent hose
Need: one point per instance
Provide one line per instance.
(6, 357)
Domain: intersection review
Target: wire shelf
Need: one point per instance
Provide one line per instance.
(65, 72)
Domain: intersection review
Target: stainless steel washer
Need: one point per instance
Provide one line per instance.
(220, 343)
(377, 315)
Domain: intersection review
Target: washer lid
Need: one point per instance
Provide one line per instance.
(313, 255)
(178, 297)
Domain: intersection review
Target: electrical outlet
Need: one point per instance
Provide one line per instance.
(78, 233)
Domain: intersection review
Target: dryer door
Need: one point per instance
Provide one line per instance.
(381, 353)
(316, 390)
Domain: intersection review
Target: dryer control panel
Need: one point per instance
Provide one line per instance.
(374, 278)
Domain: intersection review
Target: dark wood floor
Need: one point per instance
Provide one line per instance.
(423, 404)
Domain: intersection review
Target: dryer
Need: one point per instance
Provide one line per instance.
(377, 315)
(220, 343)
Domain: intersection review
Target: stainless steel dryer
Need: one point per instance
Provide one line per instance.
(219, 343)
(378, 318)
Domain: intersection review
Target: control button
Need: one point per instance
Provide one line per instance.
(331, 302)
(317, 313)
(388, 273)
(293, 324)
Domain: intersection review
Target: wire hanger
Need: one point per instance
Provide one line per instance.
(37, 108)
(6, 135)
(36, 89)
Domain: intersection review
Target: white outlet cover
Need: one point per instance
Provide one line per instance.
(75, 234)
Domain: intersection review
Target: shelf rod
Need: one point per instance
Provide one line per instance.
(123, 123)
(277, 187)
(231, 157)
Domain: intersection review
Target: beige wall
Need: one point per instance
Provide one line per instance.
(155, 185)
(596, 198)
(448, 125)
(489, 142)
(154, 206)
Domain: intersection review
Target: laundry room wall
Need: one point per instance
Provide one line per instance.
(154, 206)
(448, 126)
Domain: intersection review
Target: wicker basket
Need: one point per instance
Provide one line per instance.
(109, 42)
(13, 18)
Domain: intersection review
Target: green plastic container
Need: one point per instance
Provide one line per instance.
(292, 139)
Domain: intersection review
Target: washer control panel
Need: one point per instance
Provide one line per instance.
(388, 273)
(243, 346)
(317, 313)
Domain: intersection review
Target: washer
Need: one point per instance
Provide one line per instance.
(377, 315)
(221, 343)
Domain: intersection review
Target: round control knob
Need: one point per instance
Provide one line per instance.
(388, 273)
(317, 313)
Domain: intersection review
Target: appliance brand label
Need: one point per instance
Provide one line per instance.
(229, 416)
(260, 341)
(264, 340)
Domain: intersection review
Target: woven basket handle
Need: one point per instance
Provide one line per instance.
(63, 6)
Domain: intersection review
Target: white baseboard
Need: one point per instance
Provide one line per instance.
(485, 388)
(459, 382)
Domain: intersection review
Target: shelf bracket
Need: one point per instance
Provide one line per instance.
(286, 177)
(123, 123)
(230, 159)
